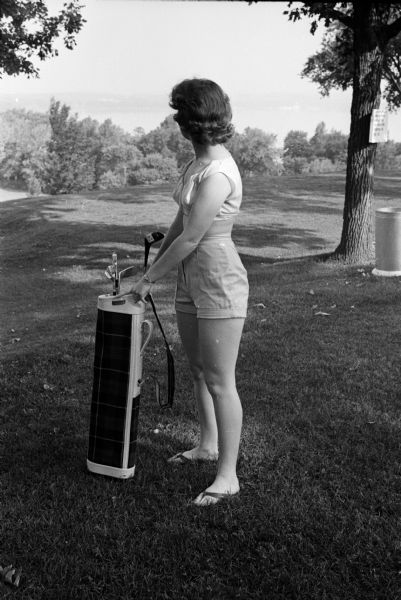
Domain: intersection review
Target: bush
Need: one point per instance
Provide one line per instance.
(296, 145)
(112, 179)
(295, 165)
(255, 152)
(325, 165)
(34, 186)
(154, 168)
(387, 157)
(71, 152)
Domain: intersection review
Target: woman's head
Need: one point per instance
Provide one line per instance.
(203, 111)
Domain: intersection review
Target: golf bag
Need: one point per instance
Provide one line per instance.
(119, 346)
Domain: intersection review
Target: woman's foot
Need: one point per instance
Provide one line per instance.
(195, 455)
(221, 489)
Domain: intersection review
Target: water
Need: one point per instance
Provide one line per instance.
(275, 113)
(128, 111)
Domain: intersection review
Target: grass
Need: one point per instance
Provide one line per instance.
(318, 517)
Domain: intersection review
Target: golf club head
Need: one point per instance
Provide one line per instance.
(150, 239)
(154, 237)
(127, 272)
(109, 272)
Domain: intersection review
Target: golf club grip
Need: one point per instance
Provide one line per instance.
(147, 248)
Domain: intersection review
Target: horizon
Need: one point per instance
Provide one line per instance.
(132, 110)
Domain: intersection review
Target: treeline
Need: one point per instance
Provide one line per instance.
(58, 153)
(323, 152)
(326, 152)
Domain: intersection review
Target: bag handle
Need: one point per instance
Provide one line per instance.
(149, 325)
(170, 363)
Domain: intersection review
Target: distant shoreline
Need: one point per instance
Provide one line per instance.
(273, 113)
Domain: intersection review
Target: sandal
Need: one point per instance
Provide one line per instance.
(218, 496)
(10, 575)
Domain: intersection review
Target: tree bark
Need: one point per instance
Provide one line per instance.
(356, 245)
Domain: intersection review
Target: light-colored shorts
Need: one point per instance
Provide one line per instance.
(212, 282)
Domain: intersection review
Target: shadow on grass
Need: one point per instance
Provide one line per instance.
(278, 235)
(56, 249)
(138, 194)
(321, 195)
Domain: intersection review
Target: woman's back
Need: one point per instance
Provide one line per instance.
(197, 171)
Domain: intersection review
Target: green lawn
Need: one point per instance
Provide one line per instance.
(318, 517)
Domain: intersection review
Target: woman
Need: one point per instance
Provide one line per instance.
(212, 287)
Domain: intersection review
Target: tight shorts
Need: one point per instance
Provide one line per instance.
(212, 282)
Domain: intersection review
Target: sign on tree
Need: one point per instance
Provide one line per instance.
(378, 131)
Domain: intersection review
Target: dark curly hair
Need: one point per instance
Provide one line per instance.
(203, 111)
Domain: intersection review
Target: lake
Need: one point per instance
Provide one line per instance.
(275, 113)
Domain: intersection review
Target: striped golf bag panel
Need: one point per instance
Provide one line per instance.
(117, 376)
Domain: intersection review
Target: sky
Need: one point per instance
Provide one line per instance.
(132, 45)
(145, 47)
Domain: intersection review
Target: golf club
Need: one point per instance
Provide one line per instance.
(112, 270)
(150, 239)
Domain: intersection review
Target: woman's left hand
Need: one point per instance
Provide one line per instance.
(139, 290)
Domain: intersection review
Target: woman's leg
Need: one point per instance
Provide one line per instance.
(219, 341)
(207, 447)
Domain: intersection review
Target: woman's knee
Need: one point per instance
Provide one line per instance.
(219, 386)
(197, 372)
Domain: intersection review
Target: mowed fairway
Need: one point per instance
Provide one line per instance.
(318, 517)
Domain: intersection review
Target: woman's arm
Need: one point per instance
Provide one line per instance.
(212, 192)
(174, 231)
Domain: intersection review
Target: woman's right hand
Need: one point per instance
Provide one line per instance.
(139, 290)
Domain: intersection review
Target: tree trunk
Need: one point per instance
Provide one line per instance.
(356, 245)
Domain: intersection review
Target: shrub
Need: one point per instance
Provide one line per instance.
(153, 168)
(112, 179)
(325, 165)
(295, 165)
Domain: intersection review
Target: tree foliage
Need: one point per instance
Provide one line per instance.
(24, 136)
(255, 152)
(296, 144)
(332, 67)
(116, 156)
(381, 13)
(58, 153)
(71, 151)
(388, 156)
(168, 141)
(154, 168)
(324, 152)
(27, 31)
